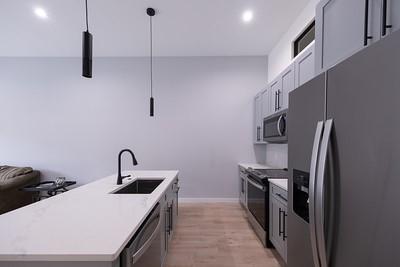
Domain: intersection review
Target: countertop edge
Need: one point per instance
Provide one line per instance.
(101, 257)
(274, 182)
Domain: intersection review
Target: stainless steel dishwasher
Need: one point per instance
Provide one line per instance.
(144, 249)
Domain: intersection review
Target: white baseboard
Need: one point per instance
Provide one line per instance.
(209, 200)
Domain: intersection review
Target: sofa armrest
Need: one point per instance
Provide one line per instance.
(20, 181)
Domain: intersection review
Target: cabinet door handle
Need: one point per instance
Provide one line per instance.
(366, 22)
(279, 99)
(284, 225)
(258, 133)
(276, 101)
(280, 222)
(167, 222)
(172, 215)
(385, 26)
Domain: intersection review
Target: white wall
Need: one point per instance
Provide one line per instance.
(64, 125)
(281, 55)
(279, 59)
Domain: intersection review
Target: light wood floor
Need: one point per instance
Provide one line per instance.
(216, 235)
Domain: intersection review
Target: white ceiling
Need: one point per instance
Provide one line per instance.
(120, 27)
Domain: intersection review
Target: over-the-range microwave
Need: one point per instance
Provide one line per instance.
(275, 130)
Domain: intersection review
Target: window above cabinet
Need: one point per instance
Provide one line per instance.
(304, 39)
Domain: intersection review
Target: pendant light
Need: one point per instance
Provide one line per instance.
(87, 49)
(151, 12)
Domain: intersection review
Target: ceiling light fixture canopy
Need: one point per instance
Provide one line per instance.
(151, 13)
(40, 13)
(87, 49)
(247, 16)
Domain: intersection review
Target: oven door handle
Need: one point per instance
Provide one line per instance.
(147, 244)
(256, 184)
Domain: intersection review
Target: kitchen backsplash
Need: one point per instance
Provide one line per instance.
(277, 155)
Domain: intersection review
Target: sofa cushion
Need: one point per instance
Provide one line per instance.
(9, 172)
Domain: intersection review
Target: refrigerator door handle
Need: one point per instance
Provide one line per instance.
(319, 193)
(313, 172)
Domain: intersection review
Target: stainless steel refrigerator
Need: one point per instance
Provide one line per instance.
(344, 163)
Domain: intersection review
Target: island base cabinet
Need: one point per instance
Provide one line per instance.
(169, 217)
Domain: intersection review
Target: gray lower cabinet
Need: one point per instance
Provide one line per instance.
(278, 219)
(164, 225)
(344, 27)
(243, 187)
(169, 216)
(60, 264)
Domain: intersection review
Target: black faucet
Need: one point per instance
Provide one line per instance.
(120, 177)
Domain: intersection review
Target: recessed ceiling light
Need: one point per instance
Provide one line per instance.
(247, 16)
(40, 12)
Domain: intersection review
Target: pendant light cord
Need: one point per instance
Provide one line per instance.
(151, 57)
(87, 20)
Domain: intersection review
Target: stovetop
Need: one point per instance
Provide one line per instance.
(264, 175)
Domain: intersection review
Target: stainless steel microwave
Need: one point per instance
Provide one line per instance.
(275, 130)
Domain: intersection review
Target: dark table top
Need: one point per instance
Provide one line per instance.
(47, 186)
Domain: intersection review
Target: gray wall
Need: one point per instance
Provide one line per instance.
(64, 125)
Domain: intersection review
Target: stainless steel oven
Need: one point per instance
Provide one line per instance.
(258, 207)
(144, 249)
(258, 200)
(275, 130)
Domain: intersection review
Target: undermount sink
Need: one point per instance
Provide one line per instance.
(140, 186)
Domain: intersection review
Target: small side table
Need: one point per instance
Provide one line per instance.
(50, 187)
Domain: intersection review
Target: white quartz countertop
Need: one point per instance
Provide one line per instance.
(254, 166)
(282, 183)
(84, 224)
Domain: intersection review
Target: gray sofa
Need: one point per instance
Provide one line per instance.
(12, 179)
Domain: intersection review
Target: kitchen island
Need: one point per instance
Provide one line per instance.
(87, 226)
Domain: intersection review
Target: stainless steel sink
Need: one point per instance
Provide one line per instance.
(140, 186)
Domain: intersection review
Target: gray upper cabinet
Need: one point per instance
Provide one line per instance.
(390, 9)
(340, 30)
(287, 83)
(304, 66)
(265, 96)
(279, 90)
(274, 91)
(344, 27)
(258, 119)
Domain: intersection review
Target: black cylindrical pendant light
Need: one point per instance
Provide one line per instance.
(151, 12)
(87, 49)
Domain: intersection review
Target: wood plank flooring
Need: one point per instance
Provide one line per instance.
(217, 235)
